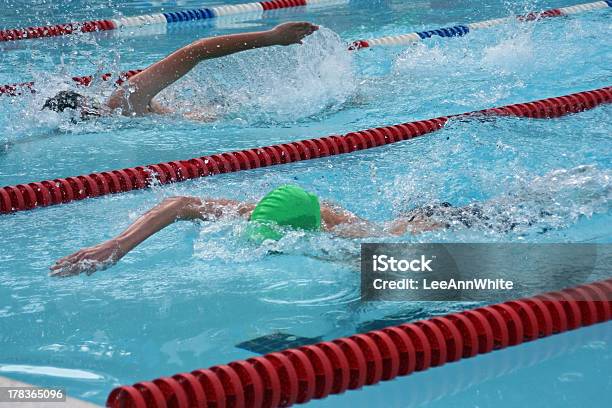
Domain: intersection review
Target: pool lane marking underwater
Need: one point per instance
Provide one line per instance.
(276, 341)
(396, 40)
(158, 18)
(29, 196)
(295, 376)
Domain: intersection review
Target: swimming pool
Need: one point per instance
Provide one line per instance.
(188, 296)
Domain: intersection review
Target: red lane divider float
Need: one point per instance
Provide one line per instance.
(63, 190)
(295, 376)
(56, 30)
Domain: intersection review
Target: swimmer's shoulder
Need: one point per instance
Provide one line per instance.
(135, 106)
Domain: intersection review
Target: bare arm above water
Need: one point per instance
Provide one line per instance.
(159, 217)
(148, 83)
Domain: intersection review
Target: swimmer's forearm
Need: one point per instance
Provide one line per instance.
(216, 47)
(284, 34)
(159, 217)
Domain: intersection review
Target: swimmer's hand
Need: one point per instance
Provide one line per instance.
(88, 260)
(292, 33)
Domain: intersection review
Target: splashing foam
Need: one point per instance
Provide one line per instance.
(25, 119)
(272, 85)
(537, 204)
(441, 67)
(559, 198)
(491, 67)
(510, 55)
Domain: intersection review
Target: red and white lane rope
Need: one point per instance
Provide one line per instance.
(28, 196)
(461, 30)
(157, 18)
(298, 375)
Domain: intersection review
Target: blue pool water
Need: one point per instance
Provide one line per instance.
(187, 296)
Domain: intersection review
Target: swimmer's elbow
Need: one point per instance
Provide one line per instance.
(185, 207)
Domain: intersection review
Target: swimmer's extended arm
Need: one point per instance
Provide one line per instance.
(162, 74)
(164, 214)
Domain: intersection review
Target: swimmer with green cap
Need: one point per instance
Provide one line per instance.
(286, 208)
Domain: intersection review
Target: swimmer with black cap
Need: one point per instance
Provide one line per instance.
(137, 98)
(284, 209)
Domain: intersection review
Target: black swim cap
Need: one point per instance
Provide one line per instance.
(75, 101)
(64, 100)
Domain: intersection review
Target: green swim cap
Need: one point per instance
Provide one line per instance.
(285, 206)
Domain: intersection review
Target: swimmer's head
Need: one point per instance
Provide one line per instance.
(285, 207)
(74, 101)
